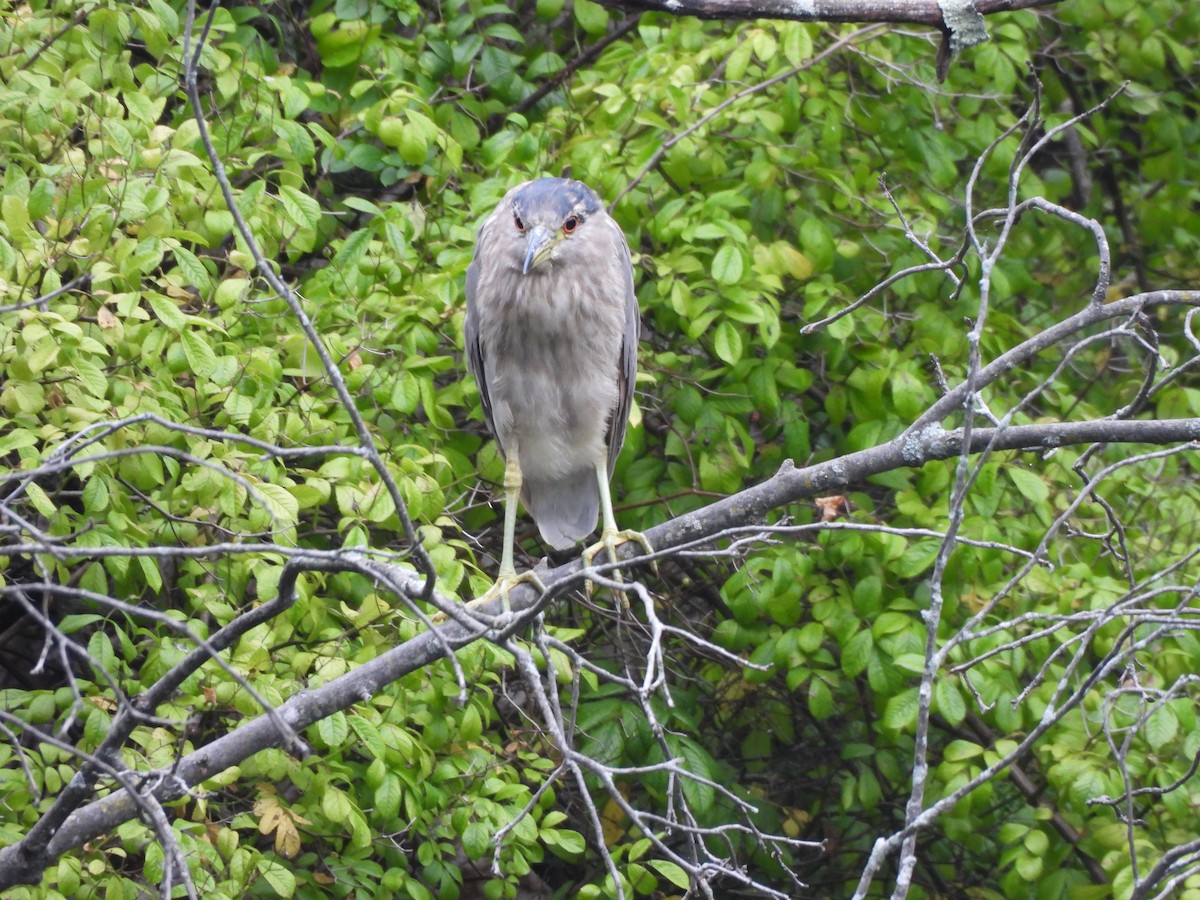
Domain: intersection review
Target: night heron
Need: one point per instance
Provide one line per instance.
(551, 333)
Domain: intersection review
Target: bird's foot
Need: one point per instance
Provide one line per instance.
(501, 588)
(610, 541)
(504, 583)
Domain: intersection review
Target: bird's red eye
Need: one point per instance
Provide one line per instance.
(517, 221)
(571, 224)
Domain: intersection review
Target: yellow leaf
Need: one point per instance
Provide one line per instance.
(612, 820)
(271, 818)
(795, 821)
(287, 838)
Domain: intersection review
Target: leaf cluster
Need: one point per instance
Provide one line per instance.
(365, 140)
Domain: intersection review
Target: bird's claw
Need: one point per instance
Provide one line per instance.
(501, 588)
(610, 540)
(504, 584)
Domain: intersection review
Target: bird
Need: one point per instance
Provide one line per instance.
(551, 335)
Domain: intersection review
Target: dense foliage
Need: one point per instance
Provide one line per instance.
(365, 139)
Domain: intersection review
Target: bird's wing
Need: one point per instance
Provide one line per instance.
(475, 361)
(627, 362)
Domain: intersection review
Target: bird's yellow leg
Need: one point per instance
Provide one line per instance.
(610, 536)
(507, 578)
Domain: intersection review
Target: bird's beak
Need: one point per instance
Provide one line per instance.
(539, 242)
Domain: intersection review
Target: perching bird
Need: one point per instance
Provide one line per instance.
(551, 335)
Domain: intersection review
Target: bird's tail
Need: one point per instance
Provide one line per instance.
(565, 509)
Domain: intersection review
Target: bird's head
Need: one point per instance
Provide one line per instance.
(548, 216)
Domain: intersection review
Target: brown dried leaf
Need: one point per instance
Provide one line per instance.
(832, 507)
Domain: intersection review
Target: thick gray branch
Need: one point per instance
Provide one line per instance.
(790, 484)
(914, 12)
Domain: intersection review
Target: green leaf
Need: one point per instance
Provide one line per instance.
(698, 762)
(477, 840)
(166, 311)
(1030, 484)
(592, 17)
(193, 270)
(857, 653)
(413, 146)
(92, 377)
(42, 355)
(406, 393)
(868, 597)
(388, 795)
(100, 648)
(1036, 842)
(378, 505)
(739, 60)
(335, 804)
(816, 244)
(916, 559)
(948, 701)
(820, 699)
(869, 790)
(333, 729)
(958, 751)
(797, 43)
(670, 871)
(312, 493)
(302, 209)
(200, 356)
(279, 877)
(911, 663)
(563, 842)
(280, 503)
(900, 714)
(395, 238)
(727, 265)
(472, 726)
(363, 206)
(17, 439)
(40, 499)
(231, 291)
(368, 732)
(352, 249)
(14, 213)
(727, 343)
(150, 570)
(1030, 868)
(41, 199)
(72, 623)
(1162, 726)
